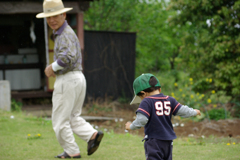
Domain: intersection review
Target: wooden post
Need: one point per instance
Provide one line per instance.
(80, 32)
(46, 40)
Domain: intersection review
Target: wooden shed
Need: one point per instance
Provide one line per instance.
(26, 46)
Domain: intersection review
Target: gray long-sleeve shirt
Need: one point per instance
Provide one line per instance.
(141, 120)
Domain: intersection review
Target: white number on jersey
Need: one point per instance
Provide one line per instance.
(163, 108)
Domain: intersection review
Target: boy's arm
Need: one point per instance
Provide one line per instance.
(186, 112)
(140, 121)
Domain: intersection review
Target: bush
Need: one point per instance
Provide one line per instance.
(16, 106)
(216, 114)
(183, 88)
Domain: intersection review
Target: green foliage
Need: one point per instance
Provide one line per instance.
(214, 46)
(236, 108)
(159, 42)
(16, 106)
(202, 85)
(110, 15)
(216, 114)
(183, 91)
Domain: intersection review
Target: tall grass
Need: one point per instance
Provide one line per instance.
(30, 138)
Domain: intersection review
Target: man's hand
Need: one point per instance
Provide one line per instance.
(198, 112)
(127, 125)
(49, 71)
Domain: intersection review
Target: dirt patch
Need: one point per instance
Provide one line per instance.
(182, 127)
(220, 128)
(124, 112)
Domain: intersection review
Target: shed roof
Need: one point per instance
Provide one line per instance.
(35, 6)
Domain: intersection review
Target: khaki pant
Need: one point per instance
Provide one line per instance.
(68, 97)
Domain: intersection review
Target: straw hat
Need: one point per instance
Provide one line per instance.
(52, 8)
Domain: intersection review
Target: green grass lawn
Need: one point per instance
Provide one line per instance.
(41, 144)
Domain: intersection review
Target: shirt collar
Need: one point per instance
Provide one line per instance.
(156, 95)
(60, 30)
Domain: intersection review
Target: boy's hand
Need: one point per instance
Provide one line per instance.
(127, 125)
(198, 112)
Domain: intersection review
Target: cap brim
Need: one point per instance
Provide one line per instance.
(44, 15)
(135, 100)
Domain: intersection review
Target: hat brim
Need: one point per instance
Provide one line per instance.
(44, 15)
(135, 100)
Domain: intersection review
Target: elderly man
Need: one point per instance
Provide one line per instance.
(70, 85)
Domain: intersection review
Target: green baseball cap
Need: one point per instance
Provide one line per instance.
(141, 83)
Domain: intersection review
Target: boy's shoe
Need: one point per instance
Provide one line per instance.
(65, 155)
(94, 143)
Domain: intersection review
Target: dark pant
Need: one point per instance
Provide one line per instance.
(158, 149)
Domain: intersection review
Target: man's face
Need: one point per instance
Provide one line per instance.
(55, 22)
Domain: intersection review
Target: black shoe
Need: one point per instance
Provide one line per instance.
(94, 144)
(65, 155)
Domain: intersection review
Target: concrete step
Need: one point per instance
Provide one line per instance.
(45, 111)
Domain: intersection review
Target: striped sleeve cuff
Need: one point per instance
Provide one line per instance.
(143, 111)
(176, 108)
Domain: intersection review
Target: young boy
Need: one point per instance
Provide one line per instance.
(154, 114)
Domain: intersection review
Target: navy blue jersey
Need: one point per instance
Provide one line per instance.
(159, 109)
